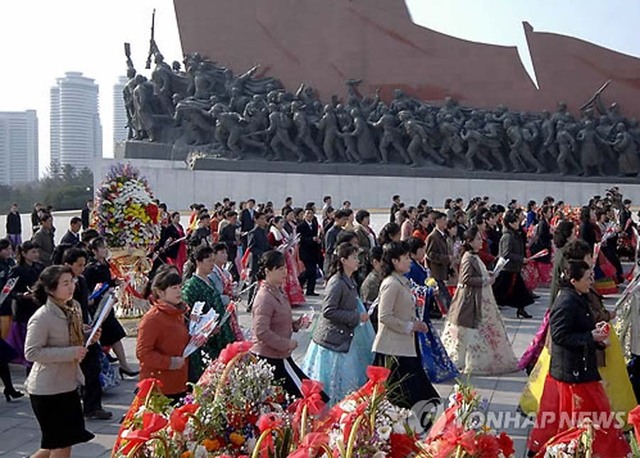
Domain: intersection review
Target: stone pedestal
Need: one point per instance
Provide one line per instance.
(172, 182)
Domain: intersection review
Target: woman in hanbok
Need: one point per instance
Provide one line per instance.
(199, 288)
(563, 235)
(610, 360)
(591, 233)
(474, 334)
(26, 272)
(340, 349)
(222, 280)
(435, 360)
(509, 288)
(281, 240)
(573, 389)
(396, 343)
(175, 251)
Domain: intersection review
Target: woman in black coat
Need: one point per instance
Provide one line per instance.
(572, 389)
(98, 272)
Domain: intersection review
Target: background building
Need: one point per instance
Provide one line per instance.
(18, 147)
(119, 113)
(76, 133)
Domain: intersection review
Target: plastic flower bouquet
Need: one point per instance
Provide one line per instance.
(458, 433)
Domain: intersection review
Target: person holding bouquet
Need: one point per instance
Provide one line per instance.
(200, 288)
(273, 323)
(573, 388)
(161, 357)
(279, 239)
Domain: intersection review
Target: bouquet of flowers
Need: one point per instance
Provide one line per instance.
(125, 212)
(460, 433)
(366, 424)
(224, 416)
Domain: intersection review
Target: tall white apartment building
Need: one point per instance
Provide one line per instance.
(18, 147)
(76, 133)
(119, 112)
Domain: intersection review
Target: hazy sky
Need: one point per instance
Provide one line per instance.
(42, 39)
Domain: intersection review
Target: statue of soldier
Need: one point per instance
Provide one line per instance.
(279, 124)
(230, 131)
(391, 136)
(256, 114)
(303, 128)
(561, 114)
(451, 148)
(367, 149)
(492, 141)
(331, 143)
(548, 150)
(451, 109)
(520, 154)
(162, 81)
(590, 157)
(346, 127)
(419, 141)
(625, 146)
(566, 147)
(474, 138)
(144, 102)
(402, 102)
(127, 95)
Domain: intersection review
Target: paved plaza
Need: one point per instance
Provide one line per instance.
(20, 436)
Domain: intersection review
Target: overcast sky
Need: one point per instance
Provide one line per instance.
(42, 39)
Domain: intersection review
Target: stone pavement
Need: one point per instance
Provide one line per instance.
(19, 433)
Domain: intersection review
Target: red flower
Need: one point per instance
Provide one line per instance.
(234, 349)
(151, 423)
(267, 423)
(378, 374)
(402, 445)
(179, 417)
(310, 445)
(153, 211)
(487, 446)
(506, 444)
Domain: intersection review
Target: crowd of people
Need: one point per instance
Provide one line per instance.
(382, 289)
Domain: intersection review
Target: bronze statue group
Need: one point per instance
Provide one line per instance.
(201, 107)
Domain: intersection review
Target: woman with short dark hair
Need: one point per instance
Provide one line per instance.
(474, 334)
(395, 345)
(200, 288)
(573, 388)
(161, 357)
(56, 345)
(273, 323)
(340, 350)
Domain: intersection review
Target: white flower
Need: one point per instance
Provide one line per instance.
(379, 455)
(125, 433)
(140, 411)
(349, 405)
(384, 432)
(201, 452)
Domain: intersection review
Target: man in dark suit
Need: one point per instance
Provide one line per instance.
(257, 242)
(395, 206)
(288, 206)
(438, 256)
(85, 215)
(72, 236)
(247, 221)
(310, 250)
(331, 237)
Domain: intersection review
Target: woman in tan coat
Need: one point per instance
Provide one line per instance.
(474, 334)
(395, 345)
(56, 344)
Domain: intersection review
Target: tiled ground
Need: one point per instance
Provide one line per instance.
(19, 434)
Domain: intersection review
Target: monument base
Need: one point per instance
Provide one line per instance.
(212, 179)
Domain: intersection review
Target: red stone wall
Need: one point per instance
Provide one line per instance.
(324, 42)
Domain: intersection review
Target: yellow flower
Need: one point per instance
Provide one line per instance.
(236, 439)
(431, 282)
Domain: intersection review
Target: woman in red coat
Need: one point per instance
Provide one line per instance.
(163, 336)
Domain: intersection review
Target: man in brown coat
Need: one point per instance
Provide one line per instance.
(438, 257)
